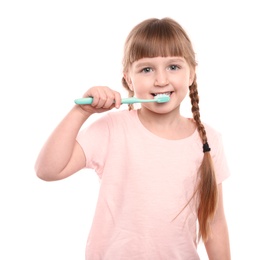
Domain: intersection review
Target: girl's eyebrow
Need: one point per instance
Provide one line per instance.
(149, 63)
(177, 60)
(143, 64)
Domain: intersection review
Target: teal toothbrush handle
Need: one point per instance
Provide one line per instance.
(132, 100)
(84, 101)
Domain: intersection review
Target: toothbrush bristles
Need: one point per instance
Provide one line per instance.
(162, 98)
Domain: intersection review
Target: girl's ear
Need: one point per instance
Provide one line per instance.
(128, 81)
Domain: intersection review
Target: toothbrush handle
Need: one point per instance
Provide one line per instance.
(131, 100)
(84, 101)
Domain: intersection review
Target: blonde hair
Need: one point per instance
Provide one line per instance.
(165, 37)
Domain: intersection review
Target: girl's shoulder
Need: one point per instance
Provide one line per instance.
(211, 130)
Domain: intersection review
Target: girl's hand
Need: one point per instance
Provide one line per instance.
(104, 99)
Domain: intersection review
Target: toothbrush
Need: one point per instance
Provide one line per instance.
(162, 98)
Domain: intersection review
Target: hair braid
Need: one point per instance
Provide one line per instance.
(195, 110)
(207, 186)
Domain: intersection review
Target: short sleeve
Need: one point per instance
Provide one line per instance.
(94, 140)
(218, 156)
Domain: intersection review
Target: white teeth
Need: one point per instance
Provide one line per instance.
(162, 94)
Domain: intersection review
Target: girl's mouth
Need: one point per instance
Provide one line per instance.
(162, 93)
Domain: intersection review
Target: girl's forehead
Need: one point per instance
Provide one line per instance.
(159, 59)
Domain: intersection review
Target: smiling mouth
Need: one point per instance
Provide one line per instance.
(162, 94)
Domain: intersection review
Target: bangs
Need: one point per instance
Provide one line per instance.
(158, 40)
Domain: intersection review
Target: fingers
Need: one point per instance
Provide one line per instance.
(104, 98)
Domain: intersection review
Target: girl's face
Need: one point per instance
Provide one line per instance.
(148, 77)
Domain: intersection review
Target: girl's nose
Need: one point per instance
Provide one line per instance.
(161, 79)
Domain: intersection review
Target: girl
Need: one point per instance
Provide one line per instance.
(161, 173)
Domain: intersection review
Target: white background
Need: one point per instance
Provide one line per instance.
(53, 51)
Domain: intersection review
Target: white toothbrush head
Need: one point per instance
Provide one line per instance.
(162, 98)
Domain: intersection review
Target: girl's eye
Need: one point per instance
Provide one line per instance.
(174, 67)
(146, 70)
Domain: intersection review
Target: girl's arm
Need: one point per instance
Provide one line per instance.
(218, 246)
(61, 156)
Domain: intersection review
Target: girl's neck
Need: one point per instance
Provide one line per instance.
(171, 126)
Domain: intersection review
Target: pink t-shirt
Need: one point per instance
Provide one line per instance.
(145, 182)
